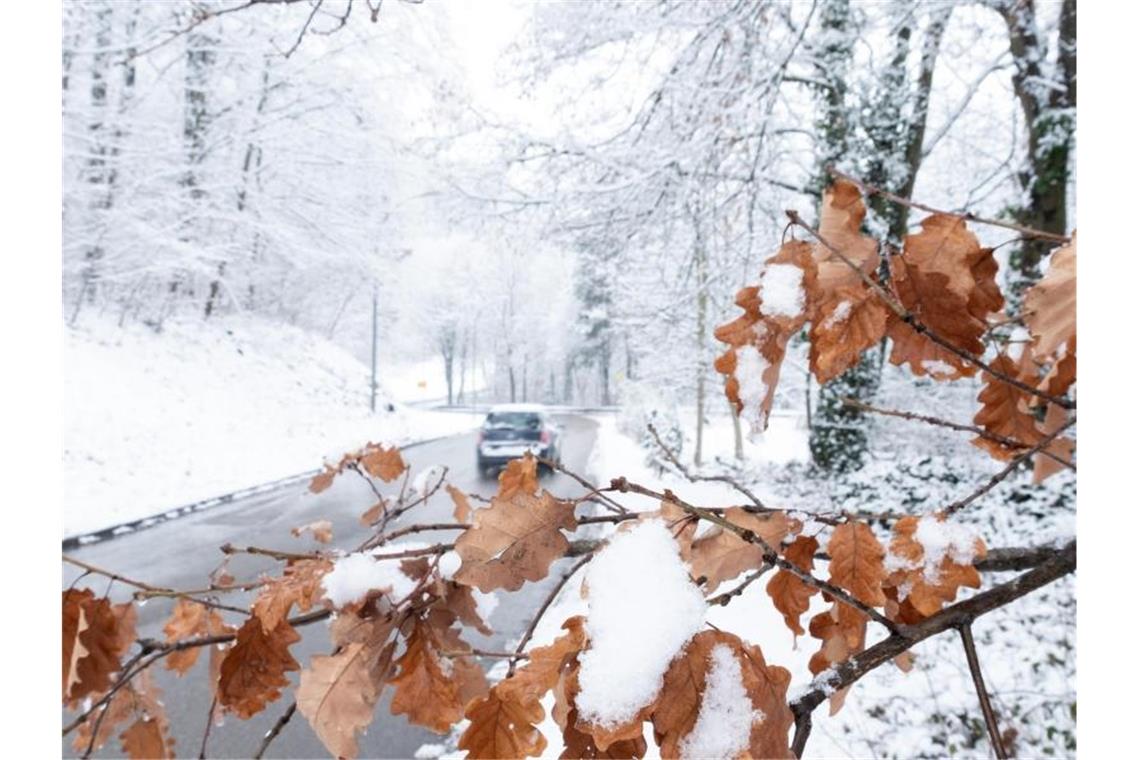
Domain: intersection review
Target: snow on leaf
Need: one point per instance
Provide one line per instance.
(790, 595)
(252, 673)
(930, 559)
(642, 609)
(514, 540)
(720, 699)
(353, 578)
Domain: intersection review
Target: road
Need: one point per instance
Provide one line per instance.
(181, 554)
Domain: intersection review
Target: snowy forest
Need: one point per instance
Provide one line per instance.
(792, 284)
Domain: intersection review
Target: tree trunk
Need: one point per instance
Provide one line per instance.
(702, 325)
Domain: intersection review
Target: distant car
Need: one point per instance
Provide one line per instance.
(511, 430)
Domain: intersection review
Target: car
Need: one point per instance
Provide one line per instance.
(511, 430)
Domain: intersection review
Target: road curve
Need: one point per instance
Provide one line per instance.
(182, 553)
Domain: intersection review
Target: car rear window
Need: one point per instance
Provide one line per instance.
(514, 420)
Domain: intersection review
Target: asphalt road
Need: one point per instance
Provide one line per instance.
(181, 554)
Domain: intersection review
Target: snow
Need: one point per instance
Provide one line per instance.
(937, 368)
(426, 479)
(161, 420)
(944, 539)
(750, 368)
(643, 608)
(725, 720)
(449, 563)
(842, 311)
(355, 575)
(782, 290)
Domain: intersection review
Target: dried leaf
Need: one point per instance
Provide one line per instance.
(1061, 446)
(145, 740)
(758, 338)
(462, 506)
(73, 624)
(252, 673)
(520, 476)
(947, 280)
(721, 555)
(323, 479)
(321, 530)
(685, 686)
(300, 584)
(927, 593)
(502, 728)
(424, 692)
(373, 514)
(544, 665)
(1005, 412)
(189, 620)
(514, 540)
(1051, 305)
(98, 645)
(856, 566)
(338, 696)
(847, 317)
(382, 462)
(790, 595)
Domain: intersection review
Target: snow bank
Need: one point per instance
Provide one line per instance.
(159, 420)
(642, 610)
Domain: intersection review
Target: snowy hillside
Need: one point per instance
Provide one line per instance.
(154, 421)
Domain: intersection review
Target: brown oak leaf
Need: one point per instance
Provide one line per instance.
(790, 595)
(1005, 412)
(462, 505)
(321, 530)
(73, 624)
(424, 691)
(384, 462)
(98, 645)
(145, 740)
(338, 694)
(1061, 446)
(856, 566)
(323, 479)
(514, 540)
(1051, 305)
(189, 620)
(299, 584)
(720, 555)
(252, 673)
(847, 316)
(685, 687)
(502, 728)
(927, 592)
(520, 476)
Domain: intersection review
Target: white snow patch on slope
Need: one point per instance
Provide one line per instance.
(353, 576)
(643, 608)
(160, 420)
(782, 290)
(725, 720)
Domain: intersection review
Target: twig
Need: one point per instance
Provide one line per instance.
(980, 687)
(124, 678)
(726, 597)
(228, 548)
(277, 727)
(483, 653)
(969, 217)
(607, 502)
(1005, 473)
(982, 432)
(209, 723)
(911, 321)
(541, 611)
(851, 670)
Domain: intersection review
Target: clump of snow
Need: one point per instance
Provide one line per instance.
(355, 575)
(937, 368)
(429, 750)
(643, 608)
(841, 313)
(725, 720)
(449, 564)
(939, 540)
(427, 478)
(782, 290)
(750, 368)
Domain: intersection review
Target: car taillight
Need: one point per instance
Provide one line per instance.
(545, 437)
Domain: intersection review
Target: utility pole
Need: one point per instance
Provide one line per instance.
(375, 342)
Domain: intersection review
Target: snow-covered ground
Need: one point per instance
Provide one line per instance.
(155, 421)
